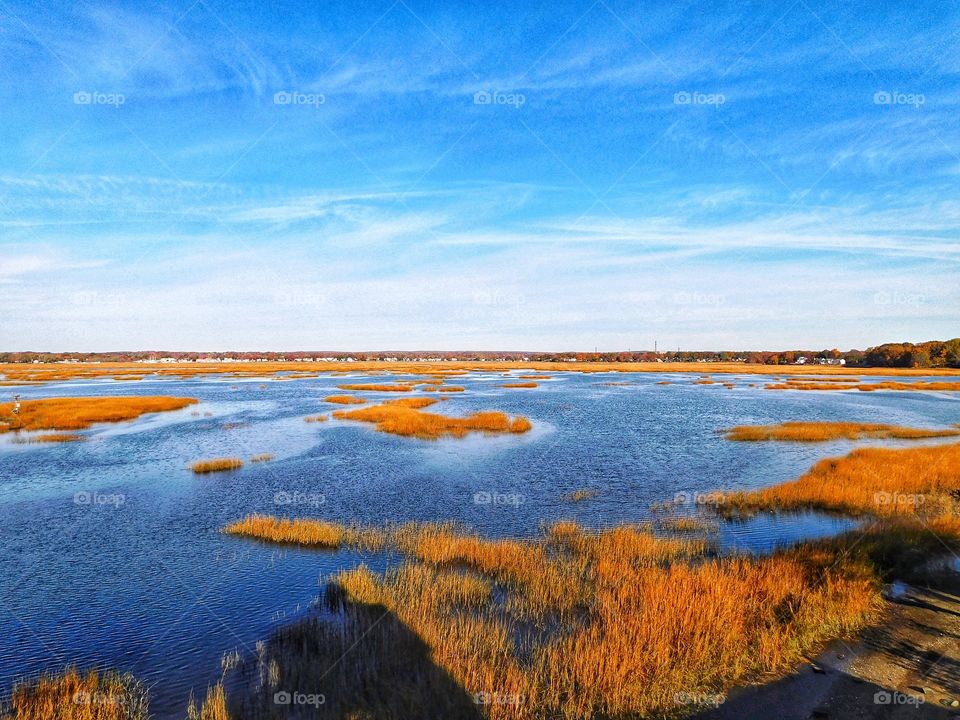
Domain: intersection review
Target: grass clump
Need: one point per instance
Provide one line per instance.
(835, 384)
(262, 457)
(50, 438)
(520, 385)
(72, 695)
(81, 412)
(822, 431)
(919, 482)
(303, 531)
(580, 495)
(377, 387)
(345, 399)
(316, 418)
(408, 420)
(202, 467)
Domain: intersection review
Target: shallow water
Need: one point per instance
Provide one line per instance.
(110, 553)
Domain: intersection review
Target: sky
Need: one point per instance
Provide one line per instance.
(403, 174)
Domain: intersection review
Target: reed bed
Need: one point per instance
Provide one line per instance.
(23, 372)
(345, 399)
(409, 421)
(520, 385)
(262, 457)
(81, 412)
(202, 467)
(451, 389)
(49, 438)
(377, 387)
(686, 524)
(309, 532)
(821, 431)
(828, 384)
(627, 621)
(316, 418)
(704, 381)
(72, 695)
(213, 707)
(917, 482)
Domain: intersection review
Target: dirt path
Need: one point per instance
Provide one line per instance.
(909, 667)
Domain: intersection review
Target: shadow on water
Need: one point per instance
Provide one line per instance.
(355, 661)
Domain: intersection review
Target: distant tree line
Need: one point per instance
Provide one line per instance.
(932, 354)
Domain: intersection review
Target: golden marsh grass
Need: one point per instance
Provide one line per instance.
(821, 431)
(916, 482)
(72, 695)
(409, 421)
(309, 532)
(202, 467)
(81, 412)
(641, 619)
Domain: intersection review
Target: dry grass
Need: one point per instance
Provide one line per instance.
(593, 625)
(75, 696)
(686, 524)
(451, 389)
(316, 418)
(23, 372)
(704, 381)
(833, 384)
(580, 495)
(520, 385)
(377, 387)
(407, 420)
(314, 533)
(214, 706)
(262, 457)
(534, 377)
(822, 431)
(82, 412)
(201, 467)
(415, 403)
(50, 438)
(345, 399)
(918, 482)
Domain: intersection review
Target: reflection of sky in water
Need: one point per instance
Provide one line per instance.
(150, 585)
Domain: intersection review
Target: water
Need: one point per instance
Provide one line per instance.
(112, 553)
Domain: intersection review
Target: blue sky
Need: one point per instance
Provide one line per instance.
(213, 175)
